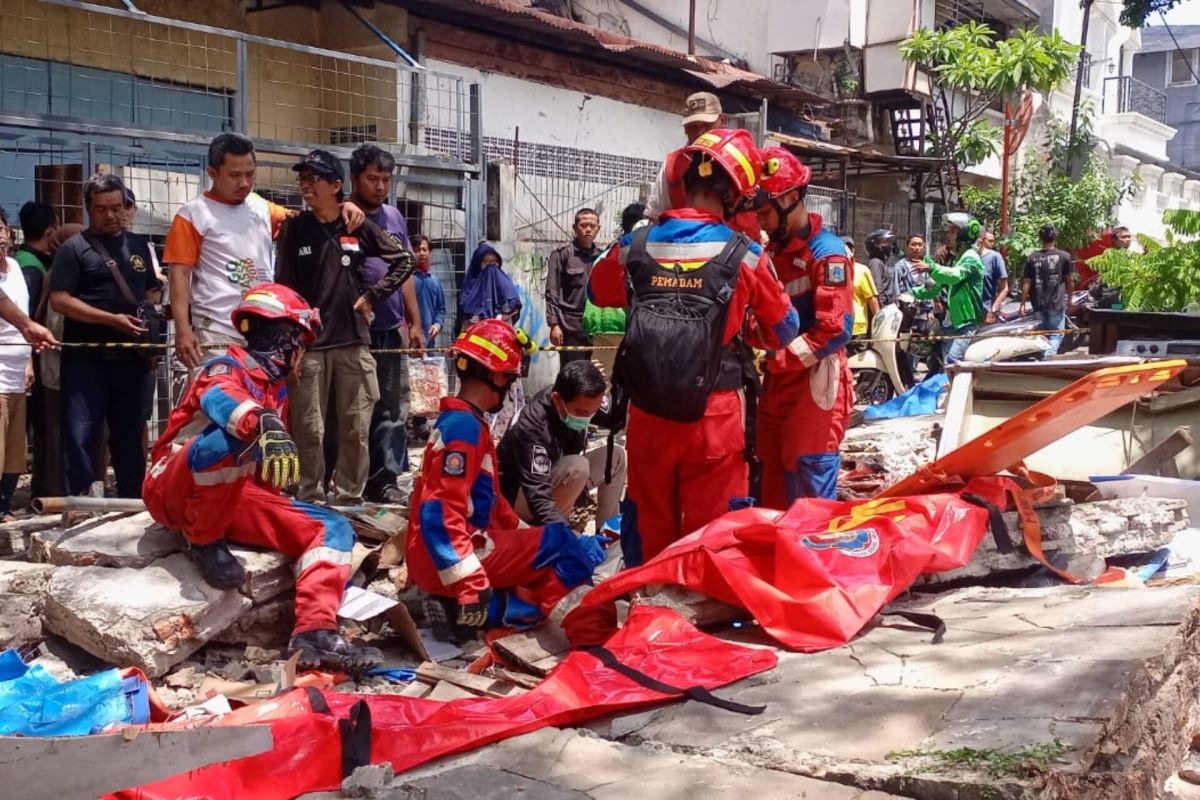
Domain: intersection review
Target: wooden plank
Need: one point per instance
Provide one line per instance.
(62, 767)
(448, 691)
(530, 650)
(416, 689)
(519, 678)
(1160, 459)
(429, 672)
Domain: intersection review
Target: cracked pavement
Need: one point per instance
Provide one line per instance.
(1111, 673)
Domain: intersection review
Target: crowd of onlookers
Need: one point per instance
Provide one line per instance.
(101, 289)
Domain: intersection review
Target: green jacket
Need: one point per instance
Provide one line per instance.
(602, 320)
(964, 283)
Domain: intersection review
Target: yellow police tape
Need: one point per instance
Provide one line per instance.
(550, 348)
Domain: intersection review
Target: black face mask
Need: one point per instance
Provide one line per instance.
(502, 391)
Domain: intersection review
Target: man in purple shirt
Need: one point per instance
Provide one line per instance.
(371, 170)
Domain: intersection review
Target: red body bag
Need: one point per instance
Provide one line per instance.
(814, 575)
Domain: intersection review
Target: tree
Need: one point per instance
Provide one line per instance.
(1134, 13)
(971, 71)
(1044, 193)
(1166, 277)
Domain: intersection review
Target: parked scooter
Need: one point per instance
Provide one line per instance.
(883, 368)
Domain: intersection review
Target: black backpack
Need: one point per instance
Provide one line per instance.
(673, 355)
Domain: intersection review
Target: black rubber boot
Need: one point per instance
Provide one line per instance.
(326, 649)
(220, 568)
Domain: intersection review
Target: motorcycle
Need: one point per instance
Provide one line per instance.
(883, 367)
(1008, 338)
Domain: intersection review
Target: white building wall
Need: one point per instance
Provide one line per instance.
(738, 26)
(553, 115)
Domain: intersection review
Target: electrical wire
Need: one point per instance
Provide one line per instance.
(1162, 15)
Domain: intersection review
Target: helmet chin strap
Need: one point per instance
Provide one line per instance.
(780, 232)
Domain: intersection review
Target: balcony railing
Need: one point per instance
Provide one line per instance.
(1125, 94)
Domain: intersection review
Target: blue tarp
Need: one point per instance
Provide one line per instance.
(34, 703)
(920, 399)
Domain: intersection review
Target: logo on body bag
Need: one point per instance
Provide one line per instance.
(859, 543)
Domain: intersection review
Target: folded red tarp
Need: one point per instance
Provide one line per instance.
(409, 731)
(812, 576)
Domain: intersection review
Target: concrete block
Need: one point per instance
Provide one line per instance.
(22, 588)
(268, 625)
(151, 618)
(268, 573)
(1079, 537)
(113, 540)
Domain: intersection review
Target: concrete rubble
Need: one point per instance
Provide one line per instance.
(1052, 692)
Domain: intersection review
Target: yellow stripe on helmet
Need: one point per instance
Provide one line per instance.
(491, 347)
(739, 156)
(266, 298)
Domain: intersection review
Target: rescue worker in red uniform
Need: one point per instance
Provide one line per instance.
(465, 545)
(702, 113)
(808, 391)
(687, 465)
(220, 468)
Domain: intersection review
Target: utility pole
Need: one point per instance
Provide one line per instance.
(692, 27)
(1086, 5)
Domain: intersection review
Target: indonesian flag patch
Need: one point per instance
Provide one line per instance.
(350, 244)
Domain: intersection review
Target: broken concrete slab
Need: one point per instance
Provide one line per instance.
(22, 587)
(596, 769)
(267, 625)
(16, 536)
(1105, 672)
(113, 540)
(1081, 536)
(268, 573)
(897, 447)
(151, 618)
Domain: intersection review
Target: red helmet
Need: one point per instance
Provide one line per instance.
(782, 171)
(275, 301)
(735, 152)
(492, 343)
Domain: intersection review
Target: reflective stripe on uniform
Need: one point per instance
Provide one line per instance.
(798, 285)
(329, 555)
(244, 408)
(456, 572)
(215, 477)
(486, 465)
(799, 348)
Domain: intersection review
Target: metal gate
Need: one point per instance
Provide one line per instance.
(141, 96)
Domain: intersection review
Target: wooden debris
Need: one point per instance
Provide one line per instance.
(430, 672)
(696, 608)
(519, 678)
(536, 651)
(416, 689)
(448, 691)
(1160, 459)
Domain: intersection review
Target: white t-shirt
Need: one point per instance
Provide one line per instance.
(13, 359)
(229, 248)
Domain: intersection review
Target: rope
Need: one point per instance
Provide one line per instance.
(541, 349)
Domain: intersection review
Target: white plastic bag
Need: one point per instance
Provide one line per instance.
(428, 384)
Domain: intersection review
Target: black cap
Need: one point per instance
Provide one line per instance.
(322, 162)
(1047, 233)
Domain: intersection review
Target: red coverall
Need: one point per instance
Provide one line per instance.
(464, 537)
(204, 483)
(808, 392)
(683, 475)
(677, 163)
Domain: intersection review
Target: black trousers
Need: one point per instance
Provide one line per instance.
(96, 392)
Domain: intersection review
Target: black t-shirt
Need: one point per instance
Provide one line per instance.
(323, 263)
(1047, 272)
(81, 272)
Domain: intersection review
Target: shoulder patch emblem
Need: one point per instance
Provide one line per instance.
(454, 463)
(540, 465)
(220, 368)
(138, 263)
(835, 273)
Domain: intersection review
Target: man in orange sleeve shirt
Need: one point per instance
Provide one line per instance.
(221, 244)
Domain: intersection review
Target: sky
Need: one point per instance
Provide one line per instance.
(1186, 14)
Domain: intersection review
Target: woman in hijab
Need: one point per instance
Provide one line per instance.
(487, 291)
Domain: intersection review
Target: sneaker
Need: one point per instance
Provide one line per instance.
(219, 567)
(389, 496)
(326, 649)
